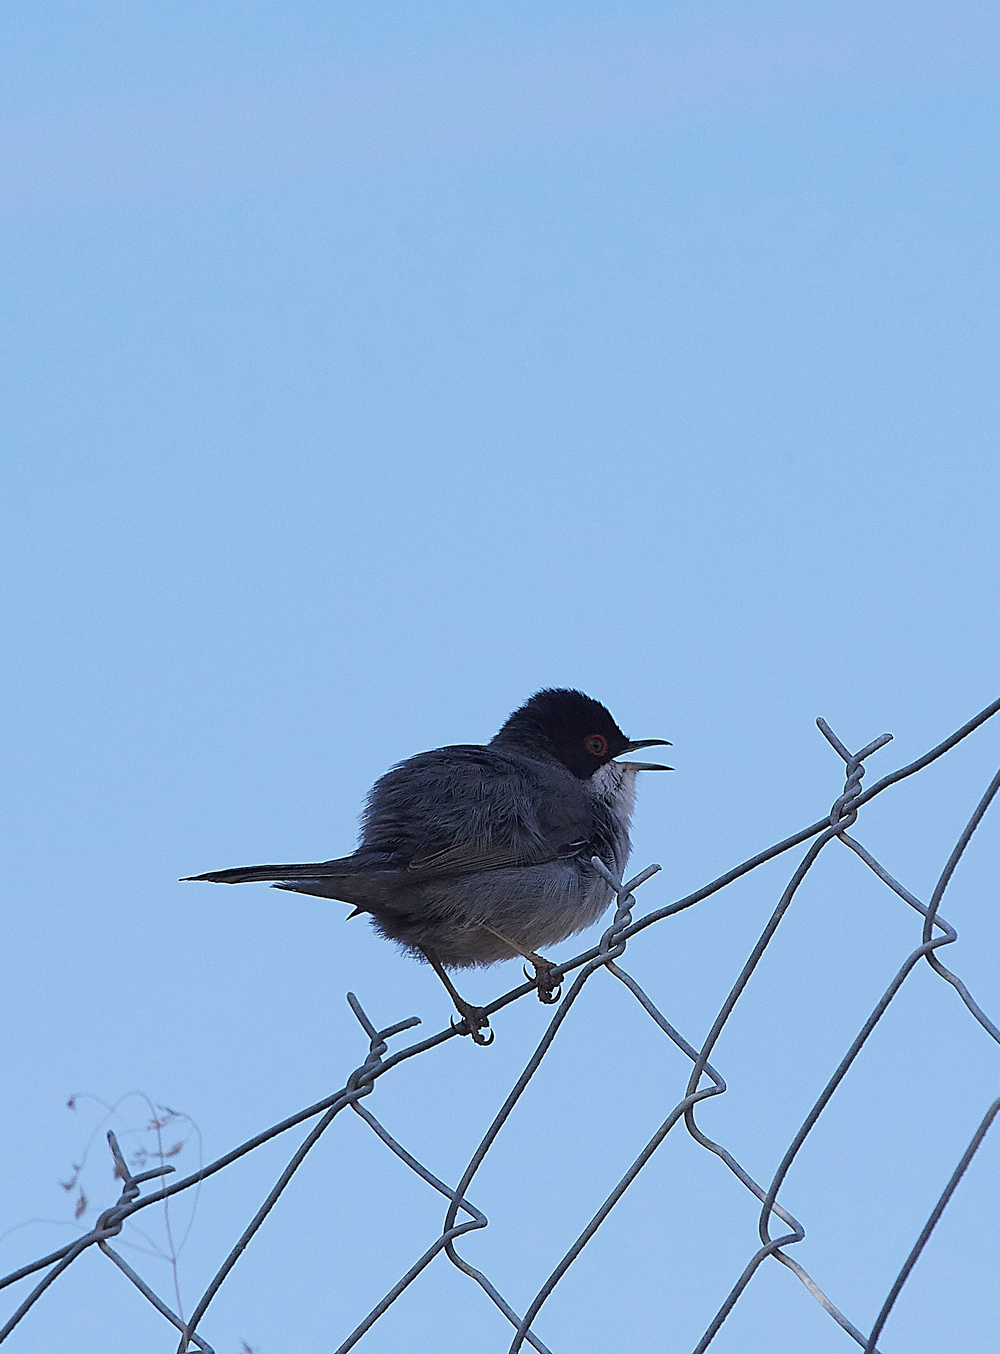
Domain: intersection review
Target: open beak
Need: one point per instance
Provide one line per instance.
(646, 743)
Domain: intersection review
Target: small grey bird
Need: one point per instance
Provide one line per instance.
(472, 854)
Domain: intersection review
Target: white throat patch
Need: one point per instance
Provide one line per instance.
(614, 783)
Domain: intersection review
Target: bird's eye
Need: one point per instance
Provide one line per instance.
(597, 744)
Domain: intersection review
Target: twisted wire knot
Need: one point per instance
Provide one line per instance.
(361, 1079)
(111, 1220)
(362, 1076)
(843, 813)
(612, 943)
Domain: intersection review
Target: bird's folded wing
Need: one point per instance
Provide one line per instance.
(471, 857)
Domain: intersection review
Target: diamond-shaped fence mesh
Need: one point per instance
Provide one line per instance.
(779, 1230)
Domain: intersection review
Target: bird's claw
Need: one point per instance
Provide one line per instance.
(477, 1024)
(549, 992)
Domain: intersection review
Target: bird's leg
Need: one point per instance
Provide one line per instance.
(477, 1024)
(549, 988)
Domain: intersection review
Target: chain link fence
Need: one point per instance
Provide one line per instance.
(779, 1230)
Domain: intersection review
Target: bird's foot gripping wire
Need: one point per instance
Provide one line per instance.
(546, 980)
(476, 1022)
(474, 1018)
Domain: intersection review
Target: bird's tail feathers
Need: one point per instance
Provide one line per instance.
(251, 874)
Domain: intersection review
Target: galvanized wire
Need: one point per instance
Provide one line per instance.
(704, 1082)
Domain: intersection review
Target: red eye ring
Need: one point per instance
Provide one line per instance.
(596, 744)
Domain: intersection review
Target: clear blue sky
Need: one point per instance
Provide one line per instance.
(367, 368)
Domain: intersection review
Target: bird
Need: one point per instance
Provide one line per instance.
(475, 853)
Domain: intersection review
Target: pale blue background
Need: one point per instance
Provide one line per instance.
(367, 368)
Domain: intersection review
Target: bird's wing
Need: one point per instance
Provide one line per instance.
(465, 809)
(465, 858)
(471, 857)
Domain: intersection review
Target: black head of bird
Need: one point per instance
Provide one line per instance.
(573, 728)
